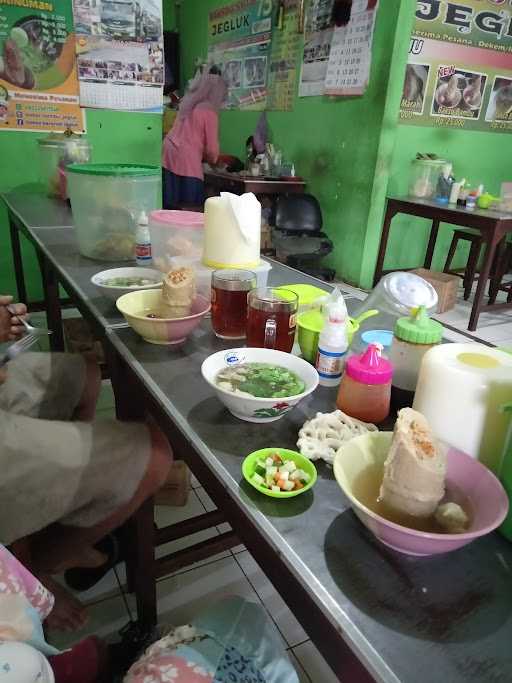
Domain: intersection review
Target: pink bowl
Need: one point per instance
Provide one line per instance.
(484, 493)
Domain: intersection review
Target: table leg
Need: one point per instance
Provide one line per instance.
(431, 244)
(139, 531)
(17, 261)
(52, 299)
(490, 251)
(390, 213)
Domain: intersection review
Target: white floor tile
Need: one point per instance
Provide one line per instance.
(106, 398)
(209, 506)
(106, 618)
(277, 608)
(165, 515)
(314, 664)
(301, 673)
(195, 483)
(182, 597)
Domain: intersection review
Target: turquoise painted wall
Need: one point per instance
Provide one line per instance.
(334, 143)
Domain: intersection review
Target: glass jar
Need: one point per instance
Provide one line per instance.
(365, 389)
(56, 152)
(424, 177)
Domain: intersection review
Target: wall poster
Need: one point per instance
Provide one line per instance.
(38, 80)
(282, 72)
(239, 39)
(350, 58)
(120, 54)
(459, 73)
(317, 47)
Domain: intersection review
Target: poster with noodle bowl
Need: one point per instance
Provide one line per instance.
(459, 73)
(38, 79)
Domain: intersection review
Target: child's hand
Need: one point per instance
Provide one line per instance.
(10, 327)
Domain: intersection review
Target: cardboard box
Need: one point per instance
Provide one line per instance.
(445, 285)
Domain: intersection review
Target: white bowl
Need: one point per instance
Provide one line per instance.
(133, 271)
(255, 409)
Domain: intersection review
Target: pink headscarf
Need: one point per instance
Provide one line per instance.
(209, 92)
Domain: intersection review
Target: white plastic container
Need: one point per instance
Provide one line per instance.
(232, 231)
(461, 389)
(107, 200)
(176, 234)
(204, 274)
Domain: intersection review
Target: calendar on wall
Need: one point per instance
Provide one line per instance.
(120, 54)
(350, 57)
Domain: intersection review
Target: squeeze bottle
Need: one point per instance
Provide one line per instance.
(365, 390)
(143, 242)
(333, 344)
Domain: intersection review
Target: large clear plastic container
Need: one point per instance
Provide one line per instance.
(176, 234)
(424, 177)
(107, 200)
(56, 152)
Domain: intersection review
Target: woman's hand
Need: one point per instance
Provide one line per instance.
(10, 326)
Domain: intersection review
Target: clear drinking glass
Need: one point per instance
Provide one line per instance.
(272, 318)
(229, 302)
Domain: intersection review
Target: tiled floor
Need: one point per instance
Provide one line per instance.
(182, 594)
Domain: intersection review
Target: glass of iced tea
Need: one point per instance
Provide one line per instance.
(229, 302)
(271, 318)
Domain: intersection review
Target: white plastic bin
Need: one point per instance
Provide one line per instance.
(107, 200)
(176, 234)
(204, 274)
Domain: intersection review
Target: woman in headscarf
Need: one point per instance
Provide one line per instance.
(193, 139)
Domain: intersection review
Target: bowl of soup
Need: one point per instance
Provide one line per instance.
(259, 385)
(359, 469)
(146, 313)
(115, 282)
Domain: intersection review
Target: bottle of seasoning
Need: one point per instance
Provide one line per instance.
(143, 255)
(414, 336)
(333, 345)
(365, 389)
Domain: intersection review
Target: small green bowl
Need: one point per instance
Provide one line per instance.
(302, 462)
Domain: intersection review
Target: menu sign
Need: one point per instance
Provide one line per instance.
(459, 73)
(38, 80)
(239, 38)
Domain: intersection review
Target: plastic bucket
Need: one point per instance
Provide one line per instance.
(107, 200)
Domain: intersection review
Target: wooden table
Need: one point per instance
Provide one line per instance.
(216, 182)
(493, 226)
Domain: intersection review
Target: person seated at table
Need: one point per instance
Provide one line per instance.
(194, 138)
(67, 479)
(230, 640)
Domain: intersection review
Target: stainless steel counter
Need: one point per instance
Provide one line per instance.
(408, 620)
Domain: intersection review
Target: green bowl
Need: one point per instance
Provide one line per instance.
(302, 462)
